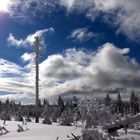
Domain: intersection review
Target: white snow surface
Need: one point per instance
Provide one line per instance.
(38, 131)
(132, 135)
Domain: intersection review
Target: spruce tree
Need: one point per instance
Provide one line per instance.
(119, 103)
(61, 104)
(132, 102)
(107, 100)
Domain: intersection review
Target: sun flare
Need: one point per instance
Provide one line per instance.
(4, 5)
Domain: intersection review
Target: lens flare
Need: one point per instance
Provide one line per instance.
(4, 5)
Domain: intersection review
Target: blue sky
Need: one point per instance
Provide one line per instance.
(88, 47)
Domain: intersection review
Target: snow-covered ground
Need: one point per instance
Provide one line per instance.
(38, 131)
(132, 135)
(51, 132)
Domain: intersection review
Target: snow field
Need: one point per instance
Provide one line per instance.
(38, 131)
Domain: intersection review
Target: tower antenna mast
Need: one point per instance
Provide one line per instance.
(37, 44)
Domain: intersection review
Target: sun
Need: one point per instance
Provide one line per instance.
(4, 5)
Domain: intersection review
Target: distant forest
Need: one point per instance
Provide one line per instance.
(65, 112)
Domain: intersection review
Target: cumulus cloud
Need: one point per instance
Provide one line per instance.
(82, 35)
(86, 72)
(29, 40)
(124, 14)
(28, 57)
(73, 72)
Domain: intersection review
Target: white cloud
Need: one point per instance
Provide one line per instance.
(124, 14)
(28, 57)
(7, 66)
(68, 3)
(121, 13)
(82, 35)
(29, 40)
(30, 10)
(15, 80)
(83, 72)
(73, 72)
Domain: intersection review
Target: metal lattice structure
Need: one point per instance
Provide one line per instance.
(37, 44)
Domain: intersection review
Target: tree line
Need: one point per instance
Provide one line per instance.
(130, 106)
(62, 111)
(65, 113)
